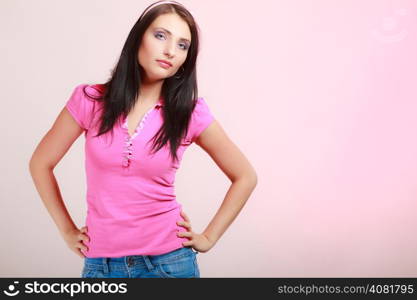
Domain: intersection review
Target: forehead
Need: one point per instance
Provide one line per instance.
(174, 24)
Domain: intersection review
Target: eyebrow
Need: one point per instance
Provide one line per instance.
(169, 32)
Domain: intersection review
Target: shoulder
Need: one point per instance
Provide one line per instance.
(85, 95)
(201, 109)
(87, 90)
(200, 104)
(201, 118)
(82, 102)
(95, 90)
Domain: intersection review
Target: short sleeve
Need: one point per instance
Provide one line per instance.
(201, 118)
(80, 107)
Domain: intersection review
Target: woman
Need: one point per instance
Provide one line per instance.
(137, 126)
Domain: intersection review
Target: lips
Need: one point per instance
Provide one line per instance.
(164, 63)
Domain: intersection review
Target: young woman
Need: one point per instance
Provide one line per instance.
(137, 126)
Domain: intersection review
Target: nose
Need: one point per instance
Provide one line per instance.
(170, 50)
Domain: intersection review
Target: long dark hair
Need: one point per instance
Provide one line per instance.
(179, 92)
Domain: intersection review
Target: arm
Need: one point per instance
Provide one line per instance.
(46, 156)
(237, 168)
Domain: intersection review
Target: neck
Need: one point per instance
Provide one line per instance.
(150, 92)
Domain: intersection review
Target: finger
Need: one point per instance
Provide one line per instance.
(185, 216)
(79, 253)
(84, 237)
(185, 224)
(185, 234)
(187, 243)
(82, 246)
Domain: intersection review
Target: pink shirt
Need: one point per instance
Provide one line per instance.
(132, 208)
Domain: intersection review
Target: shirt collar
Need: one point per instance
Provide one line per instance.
(159, 103)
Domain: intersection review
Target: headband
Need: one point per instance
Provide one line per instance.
(159, 3)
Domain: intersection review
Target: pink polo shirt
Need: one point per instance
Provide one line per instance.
(132, 208)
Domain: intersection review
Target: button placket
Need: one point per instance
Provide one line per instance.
(128, 147)
(128, 150)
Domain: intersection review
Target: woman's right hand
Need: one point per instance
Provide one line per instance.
(75, 238)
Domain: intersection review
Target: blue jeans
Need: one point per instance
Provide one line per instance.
(180, 263)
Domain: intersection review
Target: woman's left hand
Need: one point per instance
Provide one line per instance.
(199, 242)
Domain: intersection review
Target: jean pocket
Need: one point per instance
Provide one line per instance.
(87, 273)
(183, 267)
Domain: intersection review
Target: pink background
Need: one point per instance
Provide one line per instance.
(319, 95)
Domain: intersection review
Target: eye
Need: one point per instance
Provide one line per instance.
(159, 34)
(185, 46)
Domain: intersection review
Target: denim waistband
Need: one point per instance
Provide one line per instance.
(121, 263)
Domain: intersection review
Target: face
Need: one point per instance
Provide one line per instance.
(168, 38)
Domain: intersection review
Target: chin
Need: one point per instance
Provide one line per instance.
(157, 76)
